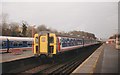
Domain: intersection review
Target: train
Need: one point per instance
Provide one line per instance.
(8, 43)
(50, 44)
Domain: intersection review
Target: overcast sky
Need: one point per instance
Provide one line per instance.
(100, 18)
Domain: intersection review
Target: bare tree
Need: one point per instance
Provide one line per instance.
(29, 31)
(24, 28)
(15, 30)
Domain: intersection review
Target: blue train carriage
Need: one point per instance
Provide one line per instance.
(11, 43)
(69, 43)
(50, 44)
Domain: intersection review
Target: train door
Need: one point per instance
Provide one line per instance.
(43, 44)
(48, 44)
(52, 43)
(36, 42)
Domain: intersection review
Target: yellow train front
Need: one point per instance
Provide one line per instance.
(45, 44)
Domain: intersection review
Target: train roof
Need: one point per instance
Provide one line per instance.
(16, 38)
(3, 38)
(58, 35)
(63, 35)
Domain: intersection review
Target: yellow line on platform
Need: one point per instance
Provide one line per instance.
(94, 66)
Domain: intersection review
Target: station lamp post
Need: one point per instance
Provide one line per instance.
(33, 37)
(83, 39)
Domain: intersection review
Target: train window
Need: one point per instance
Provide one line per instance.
(36, 40)
(0, 43)
(24, 43)
(29, 43)
(43, 39)
(10, 43)
(20, 43)
(4, 44)
(77, 42)
(67, 40)
(62, 40)
(15, 43)
(81, 41)
(51, 39)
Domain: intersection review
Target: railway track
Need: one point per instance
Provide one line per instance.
(51, 63)
(60, 65)
(65, 67)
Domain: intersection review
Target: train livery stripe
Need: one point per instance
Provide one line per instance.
(22, 48)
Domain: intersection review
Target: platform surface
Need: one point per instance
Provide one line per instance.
(7, 57)
(104, 59)
(110, 59)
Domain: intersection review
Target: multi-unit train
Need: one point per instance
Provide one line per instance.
(51, 44)
(8, 43)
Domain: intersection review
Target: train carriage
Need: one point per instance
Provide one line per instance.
(68, 43)
(8, 43)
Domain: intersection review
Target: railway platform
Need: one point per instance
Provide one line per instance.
(7, 57)
(103, 60)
